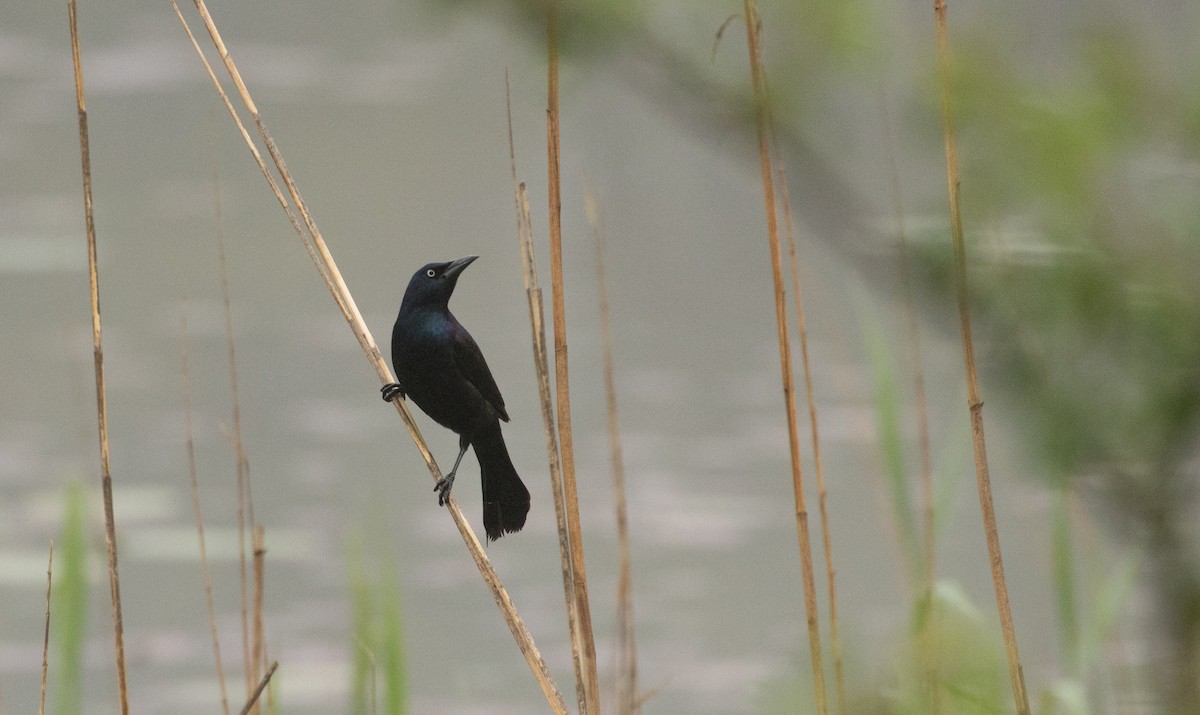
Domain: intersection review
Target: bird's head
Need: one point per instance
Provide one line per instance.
(434, 283)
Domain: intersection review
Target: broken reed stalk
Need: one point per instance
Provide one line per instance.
(198, 512)
(835, 637)
(46, 634)
(541, 368)
(591, 689)
(974, 402)
(110, 527)
(258, 651)
(627, 696)
(245, 505)
(750, 15)
(323, 261)
(252, 700)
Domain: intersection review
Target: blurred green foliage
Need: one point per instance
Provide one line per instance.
(69, 604)
(1080, 200)
(1086, 252)
(378, 635)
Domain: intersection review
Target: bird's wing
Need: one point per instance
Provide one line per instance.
(469, 360)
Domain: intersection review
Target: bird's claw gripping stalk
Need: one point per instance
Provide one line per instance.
(443, 488)
(391, 391)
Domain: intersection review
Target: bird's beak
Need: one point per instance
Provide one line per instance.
(458, 266)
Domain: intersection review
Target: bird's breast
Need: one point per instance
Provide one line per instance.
(423, 355)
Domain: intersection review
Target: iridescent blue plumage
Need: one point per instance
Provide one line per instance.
(440, 367)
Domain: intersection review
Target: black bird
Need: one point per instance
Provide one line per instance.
(441, 368)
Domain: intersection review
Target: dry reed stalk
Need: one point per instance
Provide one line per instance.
(46, 634)
(835, 637)
(199, 514)
(252, 700)
(262, 167)
(110, 527)
(258, 651)
(245, 505)
(974, 402)
(323, 261)
(537, 324)
(750, 15)
(590, 696)
(627, 697)
(235, 438)
(244, 584)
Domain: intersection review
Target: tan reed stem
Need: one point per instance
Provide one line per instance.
(46, 634)
(110, 527)
(590, 695)
(974, 402)
(537, 324)
(199, 514)
(245, 505)
(252, 700)
(262, 167)
(835, 637)
(750, 15)
(259, 648)
(627, 695)
(327, 267)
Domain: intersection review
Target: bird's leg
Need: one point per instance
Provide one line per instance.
(391, 391)
(445, 483)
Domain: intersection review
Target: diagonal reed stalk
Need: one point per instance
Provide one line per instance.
(199, 514)
(46, 635)
(627, 695)
(589, 694)
(110, 527)
(750, 15)
(974, 402)
(322, 259)
(252, 699)
(541, 367)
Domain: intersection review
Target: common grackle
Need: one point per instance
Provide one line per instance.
(441, 368)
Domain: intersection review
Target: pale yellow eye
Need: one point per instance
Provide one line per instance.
(431, 273)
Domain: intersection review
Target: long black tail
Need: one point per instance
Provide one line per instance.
(505, 498)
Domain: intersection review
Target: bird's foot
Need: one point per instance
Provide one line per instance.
(391, 391)
(443, 488)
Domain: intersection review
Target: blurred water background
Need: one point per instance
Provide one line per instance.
(392, 117)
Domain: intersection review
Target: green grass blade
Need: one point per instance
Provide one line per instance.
(362, 688)
(891, 443)
(70, 600)
(395, 675)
